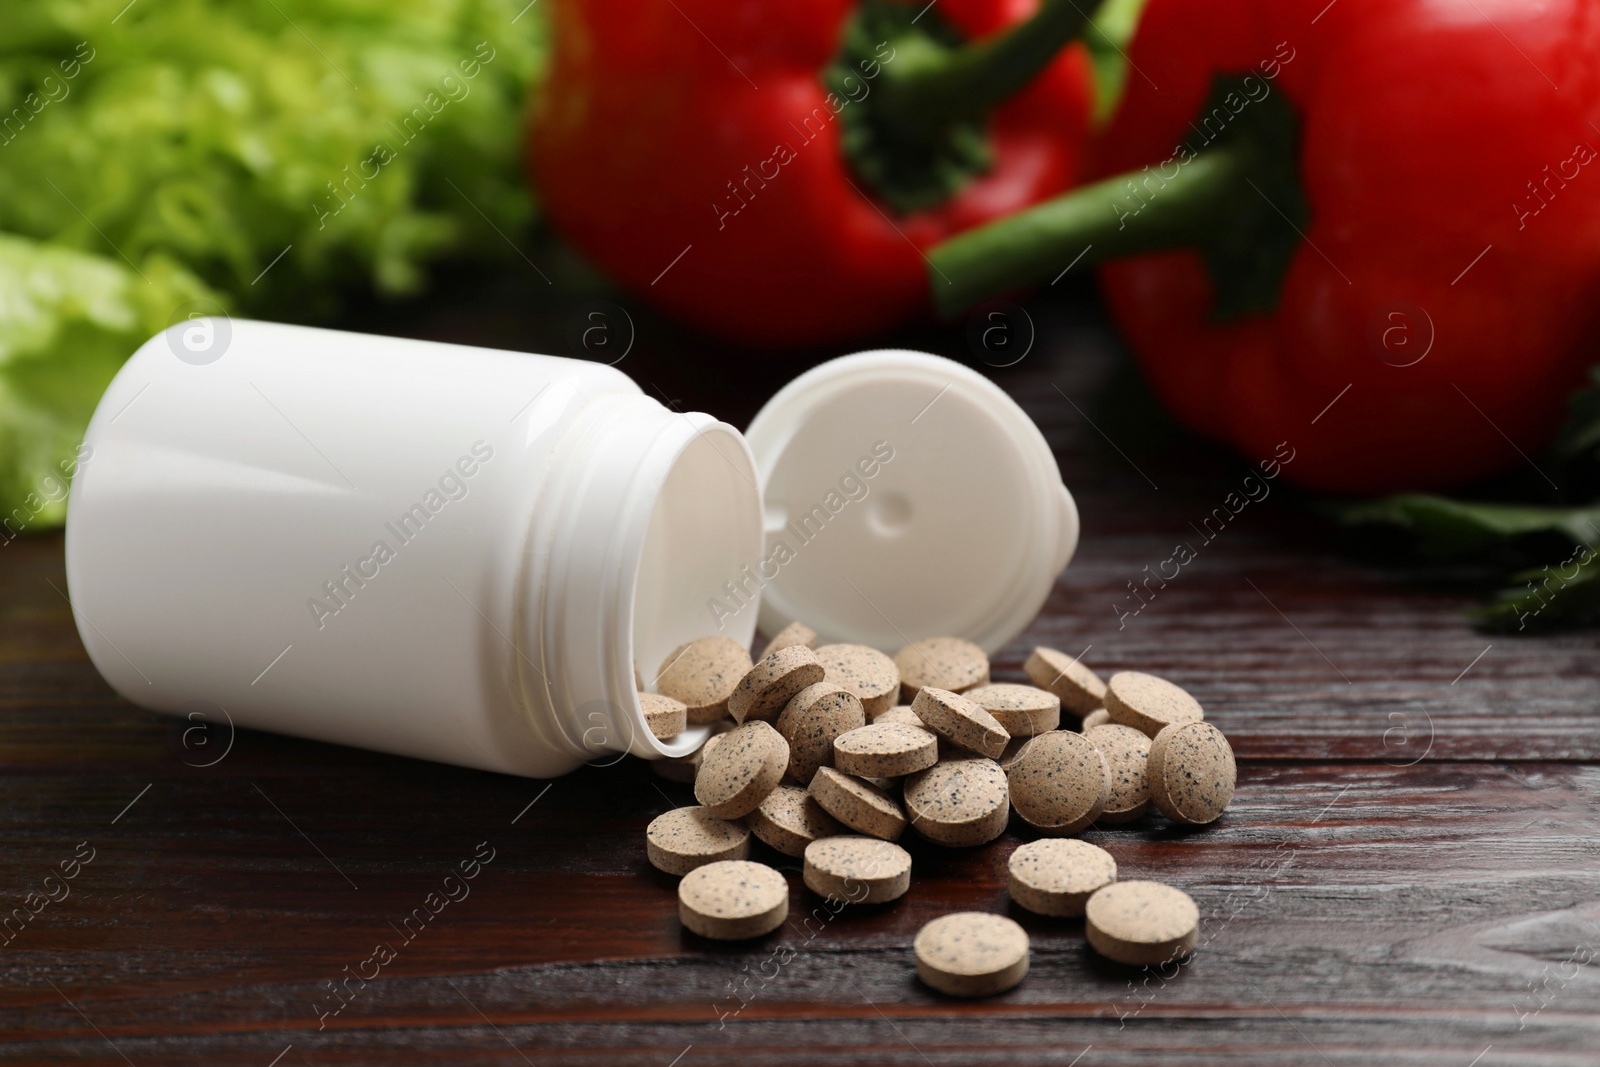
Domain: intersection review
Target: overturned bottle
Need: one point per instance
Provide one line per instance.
(462, 554)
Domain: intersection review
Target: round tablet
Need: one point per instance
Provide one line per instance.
(971, 954)
(1053, 876)
(682, 839)
(859, 805)
(1022, 709)
(1148, 703)
(664, 716)
(961, 802)
(1097, 717)
(902, 714)
(796, 633)
(861, 870)
(1014, 748)
(685, 768)
(680, 769)
(1191, 772)
(1141, 923)
(733, 900)
(885, 750)
(943, 662)
(1126, 751)
(768, 686)
(960, 721)
(710, 743)
(1059, 783)
(742, 770)
(866, 672)
(1080, 689)
(703, 674)
(817, 714)
(789, 820)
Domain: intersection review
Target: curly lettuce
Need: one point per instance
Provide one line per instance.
(275, 155)
(68, 320)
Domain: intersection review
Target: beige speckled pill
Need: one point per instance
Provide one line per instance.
(901, 714)
(1141, 923)
(1059, 783)
(961, 802)
(1126, 751)
(971, 954)
(1014, 748)
(684, 768)
(682, 839)
(664, 716)
(789, 820)
(1148, 703)
(859, 805)
(1097, 717)
(862, 870)
(1080, 689)
(768, 687)
(1053, 876)
(957, 719)
(817, 714)
(1022, 709)
(733, 900)
(885, 750)
(681, 769)
(943, 662)
(795, 634)
(742, 770)
(705, 749)
(1191, 772)
(715, 736)
(703, 674)
(866, 672)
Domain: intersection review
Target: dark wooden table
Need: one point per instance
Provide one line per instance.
(1409, 873)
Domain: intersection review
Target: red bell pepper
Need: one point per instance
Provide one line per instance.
(1384, 249)
(773, 174)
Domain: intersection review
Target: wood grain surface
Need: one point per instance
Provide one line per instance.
(1409, 874)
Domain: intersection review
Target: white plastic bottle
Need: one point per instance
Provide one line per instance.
(462, 554)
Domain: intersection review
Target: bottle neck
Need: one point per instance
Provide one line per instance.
(649, 513)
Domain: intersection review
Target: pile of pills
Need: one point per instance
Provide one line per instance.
(830, 755)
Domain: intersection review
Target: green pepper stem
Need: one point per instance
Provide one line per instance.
(1136, 212)
(929, 85)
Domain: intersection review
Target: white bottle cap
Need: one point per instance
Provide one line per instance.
(906, 496)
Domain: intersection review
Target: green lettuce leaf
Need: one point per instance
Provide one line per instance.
(224, 133)
(68, 321)
(278, 155)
